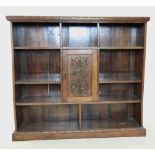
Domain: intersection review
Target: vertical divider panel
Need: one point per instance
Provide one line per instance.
(64, 80)
(49, 73)
(13, 74)
(98, 35)
(61, 59)
(98, 52)
(95, 75)
(98, 58)
(143, 73)
(60, 34)
(61, 75)
(80, 121)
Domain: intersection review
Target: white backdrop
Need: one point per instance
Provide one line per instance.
(6, 101)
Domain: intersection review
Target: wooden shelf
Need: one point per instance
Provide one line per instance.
(122, 48)
(35, 48)
(101, 48)
(118, 78)
(45, 101)
(123, 132)
(77, 19)
(40, 79)
(76, 48)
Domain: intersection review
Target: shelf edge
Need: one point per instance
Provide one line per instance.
(105, 133)
(65, 103)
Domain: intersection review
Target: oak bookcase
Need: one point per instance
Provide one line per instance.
(78, 77)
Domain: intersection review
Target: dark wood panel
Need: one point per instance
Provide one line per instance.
(34, 63)
(37, 93)
(79, 35)
(39, 65)
(116, 61)
(42, 35)
(110, 113)
(19, 116)
(121, 35)
(136, 113)
(40, 115)
(117, 89)
(54, 62)
(121, 64)
(95, 112)
(110, 116)
(106, 124)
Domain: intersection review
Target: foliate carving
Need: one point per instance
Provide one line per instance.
(79, 83)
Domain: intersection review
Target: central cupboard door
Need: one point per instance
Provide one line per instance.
(79, 75)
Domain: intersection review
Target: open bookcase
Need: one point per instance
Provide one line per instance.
(78, 77)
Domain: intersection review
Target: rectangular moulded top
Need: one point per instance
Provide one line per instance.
(78, 19)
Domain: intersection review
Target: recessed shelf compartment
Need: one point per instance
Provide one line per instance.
(79, 35)
(45, 93)
(109, 116)
(48, 118)
(120, 66)
(120, 92)
(36, 34)
(108, 124)
(121, 35)
(37, 67)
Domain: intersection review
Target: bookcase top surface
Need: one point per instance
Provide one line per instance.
(78, 19)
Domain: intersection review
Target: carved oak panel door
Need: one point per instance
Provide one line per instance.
(79, 75)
